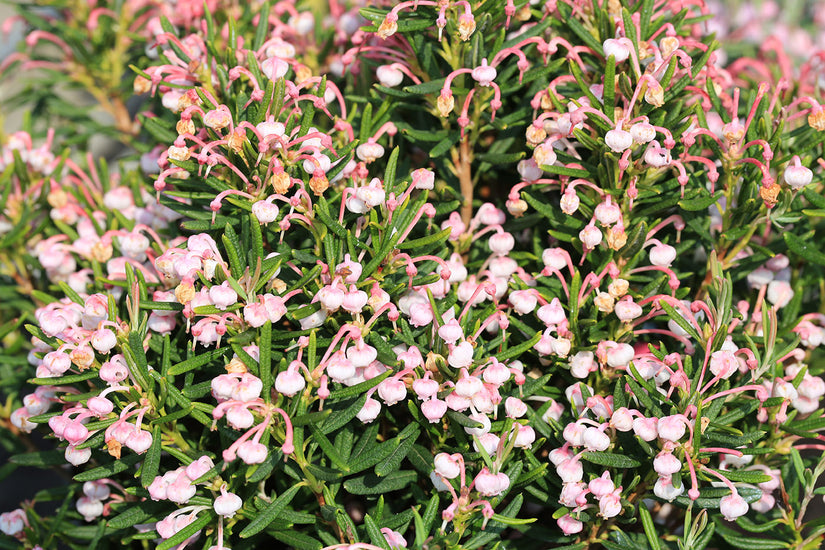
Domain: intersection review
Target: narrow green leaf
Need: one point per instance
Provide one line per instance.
(265, 361)
(268, 514)
(611, 460)
(376, 536)
(371, 484)
(329, 449)
(650, 529)
(151, 462)
(197, 361)
(393, 462)
(806, 249)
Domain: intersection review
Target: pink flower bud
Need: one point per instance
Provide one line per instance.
(812, 387)
(622, 419)
(595, 439)
(349, 270)
(656, 156)
(797, 176)
(393, 538)
(199, 467)
(76, 457)
(389, 76)
(569, 202)
(601, 486)
(96, 490)
(140, 441)
(607, 212)
(671, 428)
(239, 417)
(733, 506)
(569, 525)
(103, 340)
(255, 314)
(489, 442)
(529, 170)
(227, 504)
(434, 409)
(665, 489)
(252, 453)
(447, 466)
(643, 132)
(89, 508)
(180, 490)
(12, 523)
(618, 48)
(57, 362)
(515, 407)
(361, 354)
(627, 310)
(369, 411)
(425, 388)
(618, 140)
(552, 313)
(421, 314)
(779, 293)
(501, 243)
(457, 403)
(20, 420)
(451, 331)
(620, 355)
(582, 364)
(570, 471)
(274, 68)
(75, 432)
(248, 388)
(369, 151)
(666, 464)
(523, 301)
(495, 373)
(222, 296)
(100, 405)
(645, 428)
(525, 437)
(557, 456)
(610, 505)
(489, 484)
(723, 364)
(290, 382)
(662, 255)
(590, 236)
(481, 419)
(764, 504)
(423, 178)
(461, 355)
(484, 74)
(392, 391)
(467, 385)
(339, 368)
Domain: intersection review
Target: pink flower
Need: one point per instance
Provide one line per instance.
(569, 525)
(369, 411)
(489, 484)
(434, 409)
(392, 391)
(227, 503)
(733, 506)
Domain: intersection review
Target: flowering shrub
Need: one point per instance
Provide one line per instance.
(420, 274)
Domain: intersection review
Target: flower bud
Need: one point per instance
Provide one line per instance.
(618, 140)
(618, 48)
(733, 506)
(227, 504)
